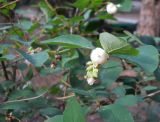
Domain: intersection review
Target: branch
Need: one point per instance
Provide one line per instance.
(4, 70)
(14, 68)
(3, 6)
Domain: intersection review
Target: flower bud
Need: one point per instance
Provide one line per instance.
(38, 49)
(89, 63)
(111, 8)
(98, 56)
(91, 81)
(53, 64)
(58, 57)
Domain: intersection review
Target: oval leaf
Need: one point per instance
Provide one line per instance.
(58, 118)
(128, 100)
(73, 112)
(148, 58)
(37, 59)
(116, 113)
(71, 41)
(8, 57)
(110, 72)
(112, 44)
(81, 4)
(125, 5)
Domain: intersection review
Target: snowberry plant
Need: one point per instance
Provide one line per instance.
(70, 42)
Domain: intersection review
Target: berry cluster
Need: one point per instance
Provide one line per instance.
(98, 57)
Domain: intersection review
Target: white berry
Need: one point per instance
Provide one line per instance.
(111, 8)
(98, 56)
(90, 81)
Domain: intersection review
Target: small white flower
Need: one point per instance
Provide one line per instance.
(98, 56)
(90, 81)
(111, 8)
(27, 62)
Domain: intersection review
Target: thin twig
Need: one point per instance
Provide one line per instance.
(64, 51)
(67, 84)
(152, 94)
(3, 6)
(89, 35)
(32, 98)
(49, 5)
(65, 97)
(26, 99)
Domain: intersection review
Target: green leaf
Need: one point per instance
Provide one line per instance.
(87, 14)
(22, 66)
(125, 5)
(29, 75)
(47, 11)
(105, 15)
(148, 58)
(133, 37)
(128, 100)
(49, 111)
(11, 7)
(128, 50)
(150, 88)
(96, 3)
(17, 94)
(25, 25)
(76, 19)
(82, 92)
(72, 56)
(8, 57)
(110, 72)
(119, 91)
(37, 59)
(71, 41)
(73, 111)
(112, 44)
(6, 85)
(14, 105)
(50, 71)
(156, 74)
(81, 4)
(4, 48)
(2, 117)
(3, 1)
(18, 39)
(58, 118)
(115, 113)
